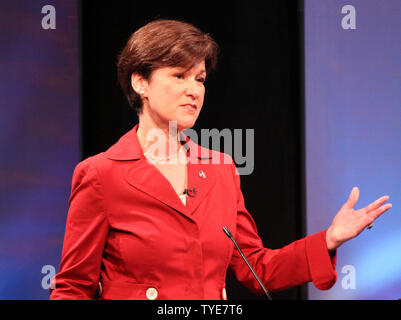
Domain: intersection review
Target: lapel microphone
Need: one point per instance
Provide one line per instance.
(229, 234)
(190, 192)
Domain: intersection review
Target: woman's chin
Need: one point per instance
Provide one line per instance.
(185, 124)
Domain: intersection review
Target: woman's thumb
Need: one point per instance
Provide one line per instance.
(353, 197)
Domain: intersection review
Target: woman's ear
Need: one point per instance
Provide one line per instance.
(139, 84)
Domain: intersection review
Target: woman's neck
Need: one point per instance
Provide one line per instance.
(158, 140)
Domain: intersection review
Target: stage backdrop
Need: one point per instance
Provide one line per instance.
(39, 139)
(353, 134)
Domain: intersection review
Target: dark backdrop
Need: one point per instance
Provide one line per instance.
(256, 85)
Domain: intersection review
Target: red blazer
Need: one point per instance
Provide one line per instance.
(128, 230)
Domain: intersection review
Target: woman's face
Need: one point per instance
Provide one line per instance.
(175, 94)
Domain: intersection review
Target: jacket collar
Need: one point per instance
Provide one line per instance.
(129, 148)
(145, 177)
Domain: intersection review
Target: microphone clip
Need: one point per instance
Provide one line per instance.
(190, 192)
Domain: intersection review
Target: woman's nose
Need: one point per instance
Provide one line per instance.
(193, 88)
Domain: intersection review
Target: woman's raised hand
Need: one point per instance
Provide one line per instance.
(348, 223)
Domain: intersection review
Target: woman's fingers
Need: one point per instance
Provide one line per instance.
(374, 214)
(374, 205)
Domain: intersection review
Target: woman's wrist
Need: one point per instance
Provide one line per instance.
(331, 242)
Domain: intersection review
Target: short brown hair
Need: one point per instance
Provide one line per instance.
(163, 43)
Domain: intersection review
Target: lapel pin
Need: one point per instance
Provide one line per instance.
(202, 174)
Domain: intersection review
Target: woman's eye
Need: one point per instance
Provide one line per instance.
(202, 80)
(179, 76)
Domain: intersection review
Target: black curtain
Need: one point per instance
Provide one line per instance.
(257, 85)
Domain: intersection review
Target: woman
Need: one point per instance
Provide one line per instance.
(146, 223)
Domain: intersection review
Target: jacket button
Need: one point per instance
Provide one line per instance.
(224, 294)
(151, 293)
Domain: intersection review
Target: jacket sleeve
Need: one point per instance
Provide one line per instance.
(85, 236)
(304, 260)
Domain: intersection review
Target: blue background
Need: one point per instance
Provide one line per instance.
(39, 140)
(353, 134)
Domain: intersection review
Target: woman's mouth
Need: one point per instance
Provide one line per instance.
(189, 107)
